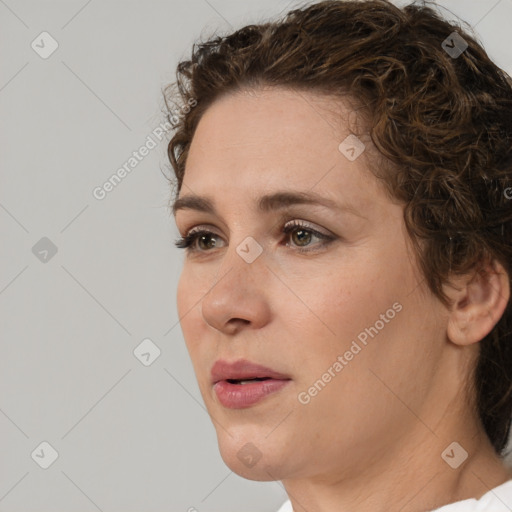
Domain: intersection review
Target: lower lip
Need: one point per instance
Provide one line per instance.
(239, 396)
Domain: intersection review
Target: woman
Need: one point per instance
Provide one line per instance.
(344, 195)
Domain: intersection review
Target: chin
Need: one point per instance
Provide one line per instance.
(249, 455)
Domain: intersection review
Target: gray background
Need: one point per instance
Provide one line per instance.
(129, 437)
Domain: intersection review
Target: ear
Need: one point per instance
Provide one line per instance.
(479, 300)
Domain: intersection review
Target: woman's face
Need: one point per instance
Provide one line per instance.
(350, 323)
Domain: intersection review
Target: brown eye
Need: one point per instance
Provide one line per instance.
(301, 236)
(198, 241)
(207, 239)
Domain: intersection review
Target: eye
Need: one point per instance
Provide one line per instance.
(190, 240)
(301, 236)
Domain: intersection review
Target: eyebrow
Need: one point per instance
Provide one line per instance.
(266, 203)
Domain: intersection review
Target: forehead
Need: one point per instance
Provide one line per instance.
(251, 143)
(258, 115)
(275, 128)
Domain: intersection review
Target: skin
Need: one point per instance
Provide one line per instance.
(372, 438)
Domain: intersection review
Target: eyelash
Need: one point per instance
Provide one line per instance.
(187, 242)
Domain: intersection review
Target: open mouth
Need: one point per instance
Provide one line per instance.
(243, 393)
(241, 384)
(246, 381)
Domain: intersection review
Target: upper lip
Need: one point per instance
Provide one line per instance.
(242, 370)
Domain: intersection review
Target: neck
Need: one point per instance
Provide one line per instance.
(413, 473)
(421, 485)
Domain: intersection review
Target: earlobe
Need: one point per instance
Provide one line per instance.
(479, 300)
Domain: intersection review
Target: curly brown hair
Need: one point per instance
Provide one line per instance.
(442, 121)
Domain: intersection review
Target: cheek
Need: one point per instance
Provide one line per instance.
(382, 324)
(343, 299)
(187, 297)
(183, 299)
(341, 312)
(192, 288)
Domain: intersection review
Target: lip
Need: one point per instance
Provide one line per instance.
(243, 369)
(239, 396)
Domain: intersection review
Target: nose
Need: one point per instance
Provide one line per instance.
(237, 298)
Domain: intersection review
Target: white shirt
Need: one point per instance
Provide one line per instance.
(498, 499)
